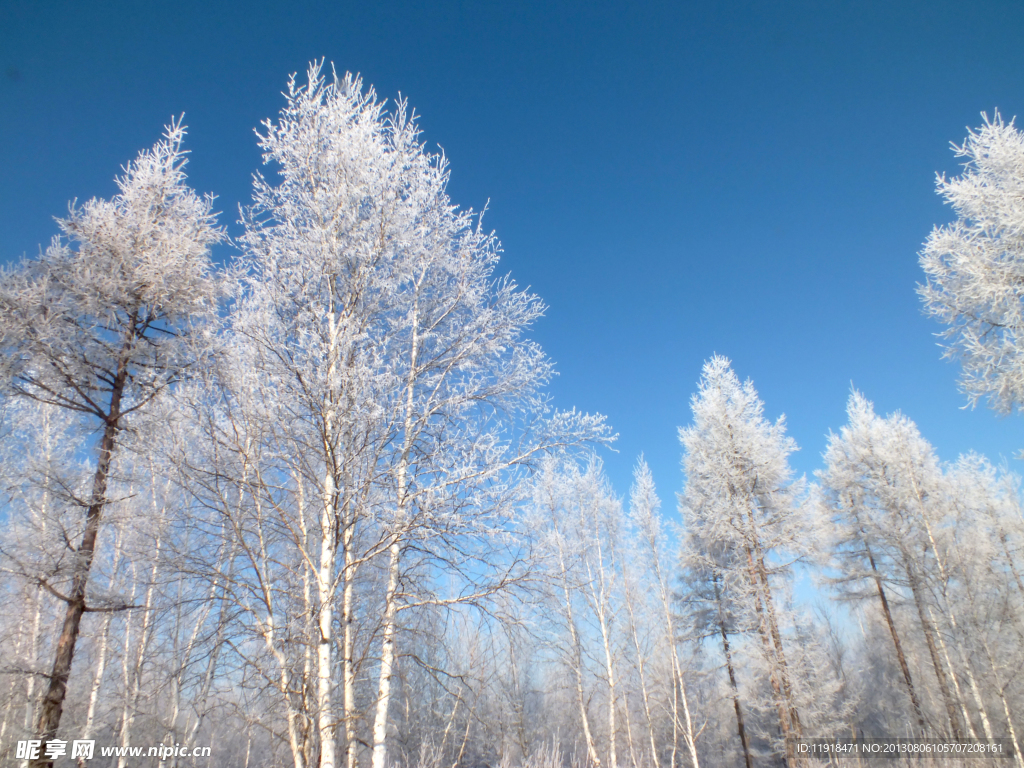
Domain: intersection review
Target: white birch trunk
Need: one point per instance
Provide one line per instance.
(599, 595)
(33, 657)
(387, 655)
(97, 680)
(325, 619)
(387, 658)
(678, 684)
(613, 759)
(577, 650)
(268, 629)
(642, 671)
(284, 683)
(200, 701)
(328, 564)
(956, 633)
(33, 646)
(348, 645)
(131, 705)
(1018, 757)
(964, 713)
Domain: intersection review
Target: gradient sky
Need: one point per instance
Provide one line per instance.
(673, 179)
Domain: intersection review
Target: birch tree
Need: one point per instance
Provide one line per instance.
(566, 503)
(393, 375)
(41, 477)
(326, 248)
(983, 589)
(102, 323)
(645, 516)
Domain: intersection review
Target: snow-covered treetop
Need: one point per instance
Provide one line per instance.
(372, 298)
(644, 504)
(731, 447)
(882, 475)
(737, 467)
(125, 285)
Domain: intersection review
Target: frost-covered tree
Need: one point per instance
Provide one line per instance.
(859, 546)
(650, 568)
(610, 611)
(975, 266)
(386, 370)
(892, 503)
(324, 249)
(711, 616)
(983, 588)
(575, 512)
(39, 470)
(103, 322)
(934, 547)
(741, 508)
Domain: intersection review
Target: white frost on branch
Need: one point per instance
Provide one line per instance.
(975, 266)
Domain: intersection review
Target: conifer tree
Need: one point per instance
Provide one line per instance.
(740, 506)
(102, 323)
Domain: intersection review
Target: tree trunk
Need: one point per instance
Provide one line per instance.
(951, 615)
(33, 658)
(599, 594)
(284, 684)
(131, 703)
(199, 704)
(328, 559)
(53, 701)
(577, 659)
(952, 676)
(348, 647)
(267, 628)
(678, 683)
(732, 677)
(940, 674)
(1018, 757)
(904, 667)
(781, 703)
(325, 619)
(387, 658)
(773, 627)
(97, 681)
(642, 670)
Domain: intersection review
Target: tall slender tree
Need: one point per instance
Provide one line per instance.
(891, 497)
(645, 515)
(740, 503)
(390, 369)
(103, 322)
(862, 560)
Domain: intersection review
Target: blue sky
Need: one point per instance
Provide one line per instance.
(673, 179)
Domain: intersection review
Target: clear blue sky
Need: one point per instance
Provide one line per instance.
(674, 179)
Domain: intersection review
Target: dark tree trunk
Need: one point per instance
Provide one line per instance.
(904, 667)
(732, 678)
(940, 674)
(52, 705)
